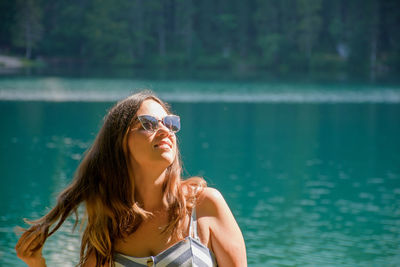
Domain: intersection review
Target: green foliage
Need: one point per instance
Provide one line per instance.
(106, 34)
(7, 14)
(327, 62)
(28, 27)
(64, 24)
(271, 48)
(309, 25)
(279, 35)
(217, 61)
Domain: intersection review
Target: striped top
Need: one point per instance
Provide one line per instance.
(189, 252)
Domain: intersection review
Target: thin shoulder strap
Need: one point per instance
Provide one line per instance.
(193, 225)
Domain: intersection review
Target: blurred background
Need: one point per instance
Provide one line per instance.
(319, 36)
(290, 108)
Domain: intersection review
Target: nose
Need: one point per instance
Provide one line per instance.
(162, 129)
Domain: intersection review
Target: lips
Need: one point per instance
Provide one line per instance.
(163, 144)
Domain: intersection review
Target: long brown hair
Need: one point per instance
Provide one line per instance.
(103, 184)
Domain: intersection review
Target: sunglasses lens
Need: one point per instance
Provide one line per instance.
(149, 123)
(173, 123)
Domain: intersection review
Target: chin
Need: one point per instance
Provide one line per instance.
(168, 159)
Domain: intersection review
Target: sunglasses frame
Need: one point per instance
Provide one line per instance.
(139, 118)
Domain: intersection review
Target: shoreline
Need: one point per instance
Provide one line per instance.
(10, 62)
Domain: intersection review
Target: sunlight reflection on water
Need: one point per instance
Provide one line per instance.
(310, 185)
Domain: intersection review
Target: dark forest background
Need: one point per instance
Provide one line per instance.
(352, 36)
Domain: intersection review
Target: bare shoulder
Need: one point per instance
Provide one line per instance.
(210, 201)
(212, 204)
(211, 194)
(226, 238)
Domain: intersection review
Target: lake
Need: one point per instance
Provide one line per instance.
(311, 171)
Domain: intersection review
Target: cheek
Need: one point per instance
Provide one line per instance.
(137, 146)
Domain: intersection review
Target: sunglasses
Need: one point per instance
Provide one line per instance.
(151, 124)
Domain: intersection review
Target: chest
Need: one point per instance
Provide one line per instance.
(150, 240)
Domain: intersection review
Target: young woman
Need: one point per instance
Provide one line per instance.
(139, 212)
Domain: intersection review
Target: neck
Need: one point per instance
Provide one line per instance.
(148, 187)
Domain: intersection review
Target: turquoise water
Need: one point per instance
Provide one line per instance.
(311, 172)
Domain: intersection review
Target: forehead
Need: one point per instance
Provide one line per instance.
(153, 108)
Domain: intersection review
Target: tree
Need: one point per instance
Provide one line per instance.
(63, 26)
(28, 27)
(309, 25)
(7, 15)
(106, 31)
(268, 37)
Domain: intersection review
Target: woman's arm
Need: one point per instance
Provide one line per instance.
(225, 236)
(24, 248)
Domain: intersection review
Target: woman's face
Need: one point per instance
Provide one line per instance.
(151, 148)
